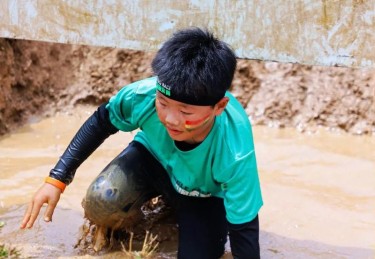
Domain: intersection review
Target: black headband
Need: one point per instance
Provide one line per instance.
(192, 99)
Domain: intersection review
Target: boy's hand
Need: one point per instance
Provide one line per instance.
(46, 194)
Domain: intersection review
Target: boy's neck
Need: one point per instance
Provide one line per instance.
(185, 146)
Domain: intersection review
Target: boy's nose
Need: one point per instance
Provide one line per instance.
(171, 119)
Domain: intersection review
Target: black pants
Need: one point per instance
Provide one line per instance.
(134, 177)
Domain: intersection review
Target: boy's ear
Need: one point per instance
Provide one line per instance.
(220, 106)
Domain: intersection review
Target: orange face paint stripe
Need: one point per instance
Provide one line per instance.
(196, 123)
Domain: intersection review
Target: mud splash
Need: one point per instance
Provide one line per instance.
(318, 191)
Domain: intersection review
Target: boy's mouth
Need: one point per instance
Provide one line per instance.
(173, 132)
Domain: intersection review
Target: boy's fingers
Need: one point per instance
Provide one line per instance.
(27, 214)
(49, 211)
(34, 214)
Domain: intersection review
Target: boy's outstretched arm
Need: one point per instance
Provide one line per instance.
(88, 138)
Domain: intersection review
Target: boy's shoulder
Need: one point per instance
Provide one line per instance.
(143, 85)
(235, 113)
(234, 127)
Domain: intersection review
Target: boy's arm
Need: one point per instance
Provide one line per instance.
(244, 239)
(89, 137)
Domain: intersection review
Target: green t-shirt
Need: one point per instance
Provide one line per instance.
(223, 165)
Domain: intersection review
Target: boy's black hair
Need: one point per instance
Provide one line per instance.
(194, 67)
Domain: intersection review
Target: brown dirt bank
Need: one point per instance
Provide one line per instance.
(39, 78)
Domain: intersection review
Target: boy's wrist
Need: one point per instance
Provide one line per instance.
(55, 183)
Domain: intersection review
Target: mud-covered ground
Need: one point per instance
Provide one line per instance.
(39, 78)
(318, 192)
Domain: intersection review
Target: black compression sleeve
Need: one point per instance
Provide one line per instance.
(89, 137)
(244, 239)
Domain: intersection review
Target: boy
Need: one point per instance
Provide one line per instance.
(194, 147)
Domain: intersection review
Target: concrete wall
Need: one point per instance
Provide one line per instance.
(317, 32)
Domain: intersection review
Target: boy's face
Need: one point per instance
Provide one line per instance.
(185, 122)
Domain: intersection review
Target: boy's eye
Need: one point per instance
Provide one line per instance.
(186, 113)
(162, 104)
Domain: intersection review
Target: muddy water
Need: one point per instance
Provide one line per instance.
(319, 190)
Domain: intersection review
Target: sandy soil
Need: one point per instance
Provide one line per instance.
(39, 78)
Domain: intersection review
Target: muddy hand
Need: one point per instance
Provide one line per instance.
(46, 194)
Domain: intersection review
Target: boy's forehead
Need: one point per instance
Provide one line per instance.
(167, 99)
(162, 97)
